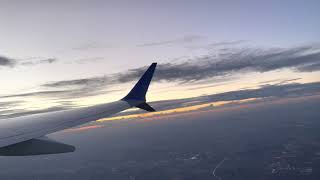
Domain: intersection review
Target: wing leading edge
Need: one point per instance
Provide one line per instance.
(28, 131)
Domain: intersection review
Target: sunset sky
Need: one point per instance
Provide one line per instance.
(65, 54)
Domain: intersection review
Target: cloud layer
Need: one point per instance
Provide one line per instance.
(265, 91)
(222, 63)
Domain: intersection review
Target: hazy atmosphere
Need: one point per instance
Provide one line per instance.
(78, 53)
(216, 61)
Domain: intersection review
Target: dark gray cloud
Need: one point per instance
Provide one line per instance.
(267, 91)
(207, 86)
(309, 67)
(183, 40)
(279, 81)
(80, 82)
(5, 61)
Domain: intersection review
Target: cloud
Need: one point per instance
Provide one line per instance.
(233, 61)
(5, 61)
(10, 62)
(50, 60)
(279, 81)
(309, 67)
(183, 40)
(80, 82)
(219, 66)
(41, 61)
(226, 43)
(9, 104)
(267, 91)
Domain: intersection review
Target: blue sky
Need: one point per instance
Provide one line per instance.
(54, 41)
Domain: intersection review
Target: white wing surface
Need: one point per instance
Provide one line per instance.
(27, 128)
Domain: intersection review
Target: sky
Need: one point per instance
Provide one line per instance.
(65, 54)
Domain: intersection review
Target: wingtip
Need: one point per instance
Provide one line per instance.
(138, 92)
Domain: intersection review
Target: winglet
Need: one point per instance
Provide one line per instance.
(138, 92)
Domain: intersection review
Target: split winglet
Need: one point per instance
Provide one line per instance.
(138, 92)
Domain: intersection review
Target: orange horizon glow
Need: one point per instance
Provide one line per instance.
(190, 111)
(177, 110)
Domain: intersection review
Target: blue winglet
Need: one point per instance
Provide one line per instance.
(138, 92)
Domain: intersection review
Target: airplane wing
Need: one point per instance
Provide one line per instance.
(27, 132)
